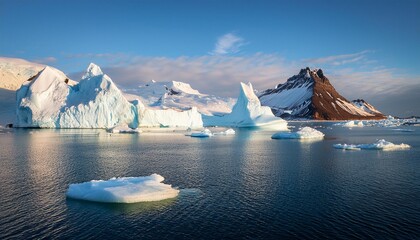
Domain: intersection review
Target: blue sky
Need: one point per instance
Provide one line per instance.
(364, 44)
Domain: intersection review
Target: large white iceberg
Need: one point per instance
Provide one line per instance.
(48, 101)
(123, 190)
(304, 133)
(378, 145)
(247, 112)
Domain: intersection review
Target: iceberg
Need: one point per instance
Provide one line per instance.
(351, 124)
(181, 96)
(123, 129)
(247, 112)
(304, 133)
(123, 190)
(203, 134)
(50, 101)
(169, 118)
(378, 145)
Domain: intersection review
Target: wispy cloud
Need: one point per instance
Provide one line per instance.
(46, 60)
(228, 44)
(338, 60)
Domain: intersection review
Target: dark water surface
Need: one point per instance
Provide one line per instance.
(241, 186)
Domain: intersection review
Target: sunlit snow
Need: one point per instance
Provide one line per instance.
(123, 190)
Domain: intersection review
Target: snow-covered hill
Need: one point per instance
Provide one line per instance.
(310, 95)
(179, 95)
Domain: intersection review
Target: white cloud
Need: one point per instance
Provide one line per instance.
(338, 60)
(46, 60)
(227, 44)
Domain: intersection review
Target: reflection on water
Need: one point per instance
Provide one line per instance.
(240, 186)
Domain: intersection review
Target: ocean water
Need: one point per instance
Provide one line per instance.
(245, 186)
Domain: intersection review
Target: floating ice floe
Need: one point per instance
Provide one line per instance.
(304, 133)
(379, 145)
(388, 122)
(205, 133)
(351, 124)
(403, 130)
(123, 190)
(123, 129)
(230, 131)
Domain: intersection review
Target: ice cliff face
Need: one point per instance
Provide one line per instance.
(311, 95)
(48, 101)
(96, 102)
(247, 112)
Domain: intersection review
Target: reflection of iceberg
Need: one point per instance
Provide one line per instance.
(247, 112)
(379, 145)
(304, 133)
(123, 190)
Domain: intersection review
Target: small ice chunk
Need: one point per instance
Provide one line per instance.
(123, 129)
(230, 131)
(205, 133)
(123, 190)
(351, 124)
(378, 145)
(304, 133)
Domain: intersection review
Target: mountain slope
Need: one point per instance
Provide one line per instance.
(311, 95)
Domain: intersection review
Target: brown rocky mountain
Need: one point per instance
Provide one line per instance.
(310, 95)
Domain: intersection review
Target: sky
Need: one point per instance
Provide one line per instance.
(368, 49)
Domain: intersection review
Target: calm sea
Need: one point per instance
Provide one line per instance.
(245, 186)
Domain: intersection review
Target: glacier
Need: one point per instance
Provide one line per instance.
(123, 190)
(247, 112)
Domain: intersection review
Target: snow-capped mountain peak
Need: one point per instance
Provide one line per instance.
(310, 94)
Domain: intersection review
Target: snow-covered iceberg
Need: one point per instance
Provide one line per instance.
(123, 190)
(169, 118)
(180, 96)
(49, 101)
(304, 133)
(247, 112)
(378, 145)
